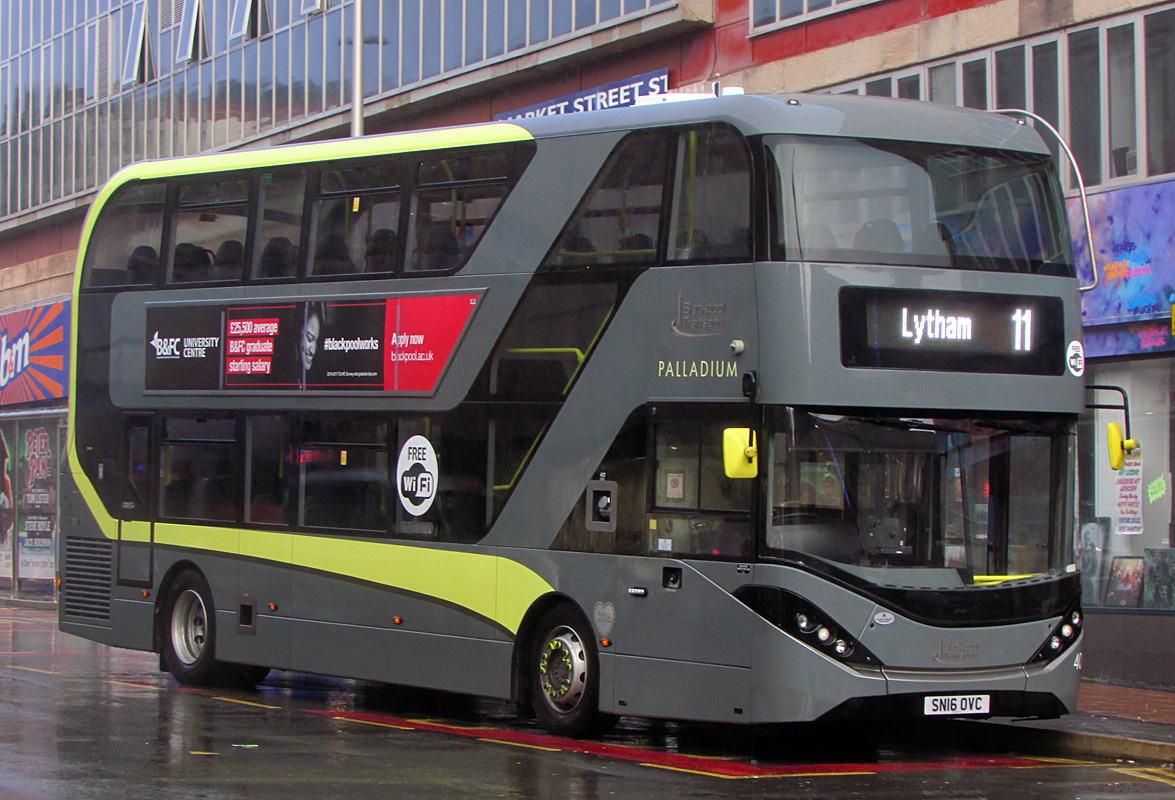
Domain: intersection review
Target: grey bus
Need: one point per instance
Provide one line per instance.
(747, 409)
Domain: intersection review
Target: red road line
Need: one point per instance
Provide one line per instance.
(700, 764)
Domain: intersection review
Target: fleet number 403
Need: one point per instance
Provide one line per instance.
(957, 704)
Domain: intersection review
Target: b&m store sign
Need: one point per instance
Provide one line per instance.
(34, 354)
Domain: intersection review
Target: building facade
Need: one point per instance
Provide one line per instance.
(89, 86)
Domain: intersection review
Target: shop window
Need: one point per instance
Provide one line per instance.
(1126, 539)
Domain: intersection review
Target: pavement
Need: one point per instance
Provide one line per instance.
(1111, 721)
(1128, 723)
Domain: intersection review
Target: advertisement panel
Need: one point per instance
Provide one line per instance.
(34, 354)
(400, 344)
(7, 504)
(36, 497)
(1130, 311)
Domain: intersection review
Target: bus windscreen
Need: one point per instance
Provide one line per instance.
(918, 204)
(958, 501)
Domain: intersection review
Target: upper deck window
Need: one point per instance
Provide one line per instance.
(124, 247)
(210, 231)
(917, 204)
(453, 204)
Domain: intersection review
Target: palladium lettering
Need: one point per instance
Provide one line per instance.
(697, 369)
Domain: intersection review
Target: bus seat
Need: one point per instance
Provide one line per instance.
(230, 257)
(879, 236)
(279, 259)
(192, 263)
(143, 265)
(333, 256)
(817, 238)
(935, 240)
(381, 251)
(638, 246)
(440, 249)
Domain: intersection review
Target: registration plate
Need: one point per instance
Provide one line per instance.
(957, 704)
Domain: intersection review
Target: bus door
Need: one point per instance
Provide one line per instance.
(671, 613)
(136, 530)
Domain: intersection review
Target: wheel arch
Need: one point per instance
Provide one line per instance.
(519, 680)
(162, 595)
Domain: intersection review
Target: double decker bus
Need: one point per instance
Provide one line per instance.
(747, 409)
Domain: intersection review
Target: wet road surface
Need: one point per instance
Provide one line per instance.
(81, 720)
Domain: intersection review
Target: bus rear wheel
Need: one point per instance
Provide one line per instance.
(564, 677)
(189, 642)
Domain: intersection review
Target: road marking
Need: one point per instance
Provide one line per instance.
(710, 774)
(34, 669)
(139, 685)
(1150, 774)
(246, 703)
(373, 722)
(700, 765)
(521, 744)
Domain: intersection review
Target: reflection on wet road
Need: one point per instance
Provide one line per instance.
(82, 720)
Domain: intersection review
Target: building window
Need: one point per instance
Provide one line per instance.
(251, 20)
(138, 65)
(191, 43)
(1117, 80)
(1160, 91)
(771, 14)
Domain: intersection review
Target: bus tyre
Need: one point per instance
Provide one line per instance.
(189, 642)
(565, 678)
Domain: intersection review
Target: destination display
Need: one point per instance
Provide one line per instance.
(951, 331)
(400, 344)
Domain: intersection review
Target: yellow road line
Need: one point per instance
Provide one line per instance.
(34, 669)
(523, 744)
(1150, 774)
(744, 777)
(148, 687)
(377, 724)
(247, 703)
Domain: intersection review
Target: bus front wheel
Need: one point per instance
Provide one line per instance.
(565, 678)
(189, 645)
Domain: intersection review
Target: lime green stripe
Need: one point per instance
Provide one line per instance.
(414, 141)
(492, 587)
